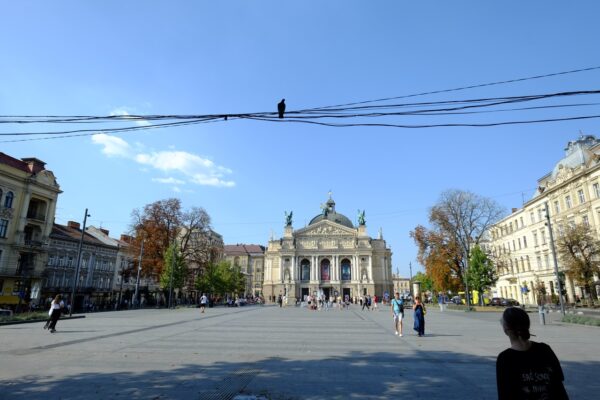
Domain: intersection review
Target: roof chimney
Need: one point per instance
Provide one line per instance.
(73, 224)
(126, 238)
(35, 165)
(514, 210)
(105, 231)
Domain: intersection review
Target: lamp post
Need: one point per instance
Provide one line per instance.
(558, 282)
(76, 277)
(171, 279)
(137, 281)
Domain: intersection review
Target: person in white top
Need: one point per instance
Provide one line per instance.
(203, 301)
(55, 310)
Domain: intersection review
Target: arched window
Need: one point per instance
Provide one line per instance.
(325, 269)
(8, 200)
(346, 270)
(305, 270)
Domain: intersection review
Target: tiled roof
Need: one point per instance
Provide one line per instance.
(66, 233)
(13, 162)
(242, 249)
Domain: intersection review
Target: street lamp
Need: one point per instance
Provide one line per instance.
(76, 277)
(137, 281)
(559, 284)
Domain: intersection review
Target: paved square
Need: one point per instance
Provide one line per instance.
(288, 353)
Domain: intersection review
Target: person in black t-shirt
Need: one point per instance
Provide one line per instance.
(527, 370)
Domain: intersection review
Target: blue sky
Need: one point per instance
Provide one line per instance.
(74, 58)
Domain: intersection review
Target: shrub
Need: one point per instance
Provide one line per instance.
(581, 319)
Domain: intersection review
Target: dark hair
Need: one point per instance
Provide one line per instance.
(516, 320)
(58, 297)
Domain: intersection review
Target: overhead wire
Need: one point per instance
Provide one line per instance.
(325, 116)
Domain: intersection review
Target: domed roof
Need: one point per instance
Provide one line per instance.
(330, 214)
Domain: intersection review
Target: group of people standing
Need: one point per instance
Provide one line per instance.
(397, 308)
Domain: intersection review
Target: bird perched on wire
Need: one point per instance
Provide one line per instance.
(281, 108)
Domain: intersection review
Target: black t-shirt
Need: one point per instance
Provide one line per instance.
(532, 374)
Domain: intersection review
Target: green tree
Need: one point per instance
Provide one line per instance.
(426, 281)
(221, 279)
(579, 249)
(481, 274)
(175, 263)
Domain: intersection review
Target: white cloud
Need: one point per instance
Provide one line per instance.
(190, 167)
(169, 180)
(113, 146)
(123, 112)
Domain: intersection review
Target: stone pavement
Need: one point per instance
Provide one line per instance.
(288, 353)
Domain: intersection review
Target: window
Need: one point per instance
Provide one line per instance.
(540, 215)
(522, 222)
(525, 241)
(539, 262)
(346, 274)
(519, 243)
(543, 235)
(3, 227)
(568, 202)
(556, 207)
(547, 261)
(8, 200)
(596, 188)
(581, 196)
(325, 267)
(305, 270)
(585, 220)
(535, 239)
(514, 246)
(532, 217)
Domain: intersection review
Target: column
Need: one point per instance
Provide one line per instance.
(336, 268)
(370, 271)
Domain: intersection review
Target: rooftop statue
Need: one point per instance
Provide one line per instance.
(361, 217)
(288, 218)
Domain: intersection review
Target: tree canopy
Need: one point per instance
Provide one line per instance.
(579, 249)
(481, 274)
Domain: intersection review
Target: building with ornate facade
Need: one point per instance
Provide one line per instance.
(96, 272)
(401, 285)
(28, 194)
(251, 259)
(330, 257)
(521, 241)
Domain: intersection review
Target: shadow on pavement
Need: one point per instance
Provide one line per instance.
(383, 375)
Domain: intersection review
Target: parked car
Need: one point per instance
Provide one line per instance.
(509, 302)
(496, 301)
(5, 313)
(456, 300)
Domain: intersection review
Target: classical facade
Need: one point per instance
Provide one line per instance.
(96, 272)
(251, 259)
(401, 285)
(521, 242)
(28, 194)
(329, 257)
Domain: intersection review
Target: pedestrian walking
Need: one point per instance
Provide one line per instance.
(280, 301)
(419, 316)
(55, 310)
(397, 306)
(367, 303)
(527, 370)
(374, 307)
(203, 301)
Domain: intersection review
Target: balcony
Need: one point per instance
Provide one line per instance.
(40, 217)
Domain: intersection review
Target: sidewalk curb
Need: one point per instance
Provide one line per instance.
(37, 320)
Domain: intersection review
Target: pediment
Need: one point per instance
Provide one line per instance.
(325, 228)
(47, 178)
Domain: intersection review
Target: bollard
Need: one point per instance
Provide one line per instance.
(542, 315)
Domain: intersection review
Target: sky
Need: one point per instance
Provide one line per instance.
(196, 57)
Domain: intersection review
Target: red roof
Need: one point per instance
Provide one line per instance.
(13, 162)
